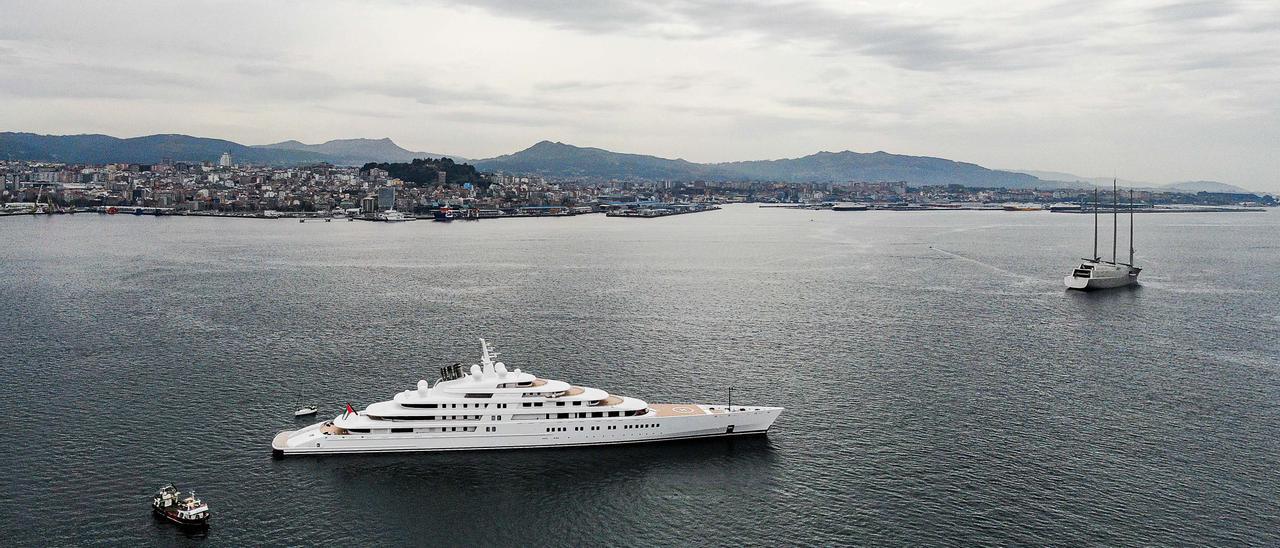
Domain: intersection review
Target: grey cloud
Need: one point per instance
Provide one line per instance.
(83, 80)
(521, 118)
(579, 85)
(906, 43)
(1198, 10)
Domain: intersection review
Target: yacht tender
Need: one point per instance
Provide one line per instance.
(491, 407)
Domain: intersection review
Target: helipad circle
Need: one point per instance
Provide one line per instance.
(682, 409)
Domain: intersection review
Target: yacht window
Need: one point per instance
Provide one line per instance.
(479, 395)
(562, 415)
(613, 413)
(597, 414)
(401, 430)
(359, 430)
(559, 404)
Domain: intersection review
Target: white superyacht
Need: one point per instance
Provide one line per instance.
(1096, 273)
(491, 407)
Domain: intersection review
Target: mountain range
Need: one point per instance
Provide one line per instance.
(554, 159)
(1183, 186)
(359, 151)
(562, 160)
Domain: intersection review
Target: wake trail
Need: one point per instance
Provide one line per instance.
(994, 268)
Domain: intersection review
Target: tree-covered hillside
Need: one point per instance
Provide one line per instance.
(425, 171)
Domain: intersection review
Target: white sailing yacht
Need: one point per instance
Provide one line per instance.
(1096, 273)
(491, 407)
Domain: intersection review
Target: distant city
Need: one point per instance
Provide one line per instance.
(227, 187)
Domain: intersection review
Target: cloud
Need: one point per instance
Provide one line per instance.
(905, 41)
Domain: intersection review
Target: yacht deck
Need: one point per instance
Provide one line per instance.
(676, 409)
(281, 440)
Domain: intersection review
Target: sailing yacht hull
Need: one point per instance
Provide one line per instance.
(1121, 278)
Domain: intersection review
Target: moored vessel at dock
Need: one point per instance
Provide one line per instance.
(491, 407)
(849, 206)
(392, 216)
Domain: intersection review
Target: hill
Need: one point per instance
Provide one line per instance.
(103, 149)
(358, 151)
(1206, 186)
(879, 166)
(425, 171)
(561, 160)
(1186, 186)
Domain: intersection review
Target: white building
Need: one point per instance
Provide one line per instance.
(225, 160)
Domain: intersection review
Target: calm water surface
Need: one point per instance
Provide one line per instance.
(941, 387)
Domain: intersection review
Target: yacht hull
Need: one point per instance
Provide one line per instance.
(1110, 282)
(709, 421)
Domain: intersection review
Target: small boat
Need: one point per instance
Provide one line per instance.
(308, 410)
(169, 504)
(444, 215)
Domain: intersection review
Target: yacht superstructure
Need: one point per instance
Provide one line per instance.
(491, 407)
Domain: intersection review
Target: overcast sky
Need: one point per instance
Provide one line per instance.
(1147, 90)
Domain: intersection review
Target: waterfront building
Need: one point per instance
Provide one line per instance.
(386, 198)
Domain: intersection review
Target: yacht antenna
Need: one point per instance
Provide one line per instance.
(1095, 223)
(1115, 220)
(730, 398)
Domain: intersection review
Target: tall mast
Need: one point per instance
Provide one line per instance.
(1115, 219)
(1095, 223)
(1131, 227)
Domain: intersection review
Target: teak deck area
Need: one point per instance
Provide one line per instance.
(676, 409)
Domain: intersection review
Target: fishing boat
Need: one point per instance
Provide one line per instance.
(170, 504)
(1096, 273)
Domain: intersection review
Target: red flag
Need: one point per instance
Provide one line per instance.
(349, 411)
